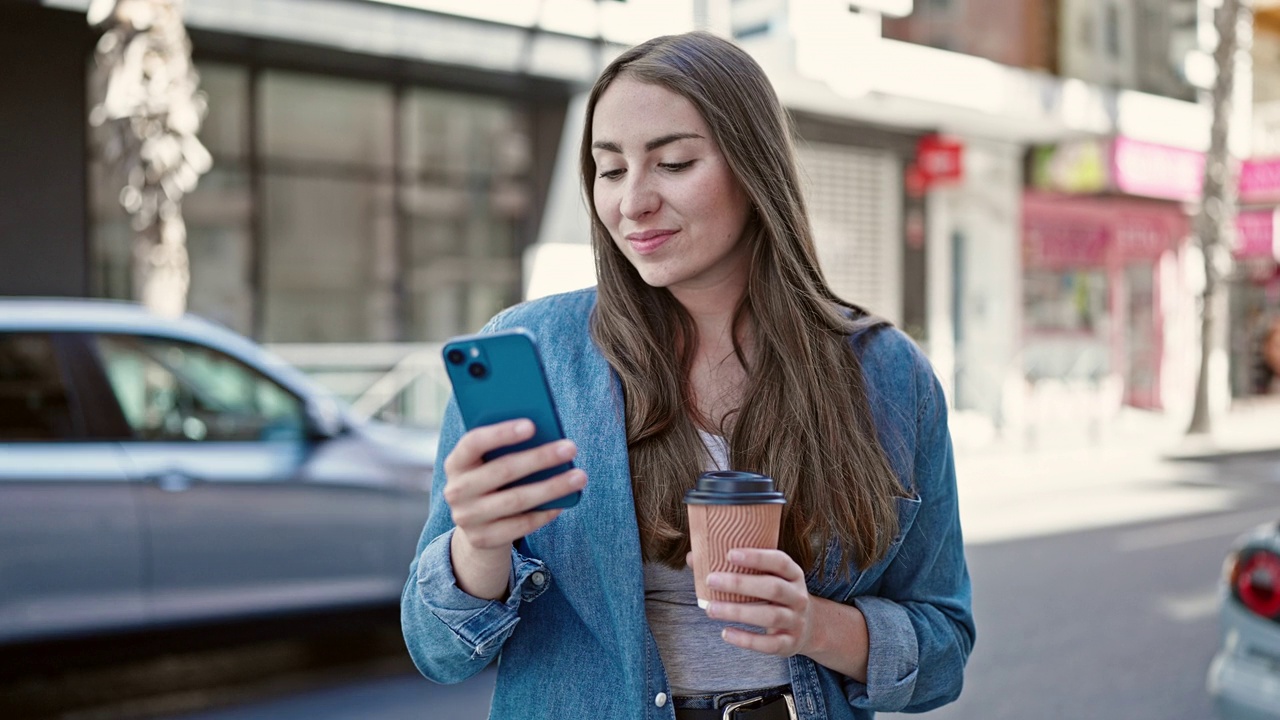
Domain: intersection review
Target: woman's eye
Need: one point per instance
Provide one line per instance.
(611, 174)
(675, 167)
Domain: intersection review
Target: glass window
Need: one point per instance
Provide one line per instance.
(330, 260)
(218, 216)
(225, 129)
(344, 210)
(1067, 324)
(34, 402)
(319, 119)
(1113, 31)
(467, 195)
(174, 391)
(1068, 301)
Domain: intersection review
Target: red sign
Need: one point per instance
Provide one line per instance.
(940, 159)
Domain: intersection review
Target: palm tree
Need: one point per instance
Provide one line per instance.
(1216, 219)
(146, 112)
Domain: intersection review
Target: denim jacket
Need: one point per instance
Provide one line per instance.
(572, 634)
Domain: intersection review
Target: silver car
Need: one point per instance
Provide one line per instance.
(157, 472)
(1244, 677)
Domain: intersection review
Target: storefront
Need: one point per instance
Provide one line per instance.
(1254, 286)
(1106, 282)
(1100, 280)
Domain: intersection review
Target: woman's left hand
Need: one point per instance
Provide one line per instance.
(787, 613)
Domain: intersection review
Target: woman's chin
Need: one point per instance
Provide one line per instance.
(655, 277)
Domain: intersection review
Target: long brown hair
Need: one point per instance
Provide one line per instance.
(804, 418)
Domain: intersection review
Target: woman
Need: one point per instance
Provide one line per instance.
(712, 340)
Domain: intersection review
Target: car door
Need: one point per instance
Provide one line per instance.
(71, 553)
(238, 519)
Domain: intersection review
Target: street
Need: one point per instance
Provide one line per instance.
(1105, 607)
(1117, 620)
(1111, 623)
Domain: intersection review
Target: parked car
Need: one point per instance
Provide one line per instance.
(160, 471)
(1244, 677)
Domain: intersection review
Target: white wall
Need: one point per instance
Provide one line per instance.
(985, 212)
(561, 259)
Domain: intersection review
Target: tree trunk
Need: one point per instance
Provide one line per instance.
(1216, 218)
(148, 111)
(161, 271)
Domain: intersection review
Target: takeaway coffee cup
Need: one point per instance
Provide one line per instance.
(729, 509)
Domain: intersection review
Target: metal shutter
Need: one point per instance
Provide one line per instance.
(855, 203)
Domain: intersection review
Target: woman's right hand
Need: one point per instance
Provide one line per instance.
(488, 516)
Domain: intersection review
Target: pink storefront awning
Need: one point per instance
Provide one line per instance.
(1143, 169)
(1061, 231)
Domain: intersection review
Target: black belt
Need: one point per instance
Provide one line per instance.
(772, 704)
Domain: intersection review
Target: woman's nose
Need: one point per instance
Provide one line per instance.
(639, 198)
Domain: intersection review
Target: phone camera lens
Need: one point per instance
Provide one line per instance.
(456, 357)
(477, 370)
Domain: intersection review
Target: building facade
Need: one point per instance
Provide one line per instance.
(400, 171)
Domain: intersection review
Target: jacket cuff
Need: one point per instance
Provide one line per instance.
(893, 658)
(483, 625)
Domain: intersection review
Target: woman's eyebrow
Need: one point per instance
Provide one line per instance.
(650, 146)
(667, 139)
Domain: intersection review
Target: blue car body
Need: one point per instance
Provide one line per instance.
(156, 472)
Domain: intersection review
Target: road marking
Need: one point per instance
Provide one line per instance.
(1177, 533)
(1189, 608)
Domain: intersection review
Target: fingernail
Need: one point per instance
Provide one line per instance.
(714, 580)
(524, 427)
(711, 609)
(578, 479)
(566, 449)
(736, 556)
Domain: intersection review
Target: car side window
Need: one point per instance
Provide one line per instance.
(177, 391)
(35, 402)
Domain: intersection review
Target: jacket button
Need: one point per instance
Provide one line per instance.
(660, 699)
(538, 578)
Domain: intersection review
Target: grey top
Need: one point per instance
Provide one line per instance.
(697, 660)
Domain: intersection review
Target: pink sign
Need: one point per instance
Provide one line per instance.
(1053, 243)
(1138, 240)
(1260, 180)
(1255, 234)
(1157, 171)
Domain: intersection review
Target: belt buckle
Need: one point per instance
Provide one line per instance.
(731, 710)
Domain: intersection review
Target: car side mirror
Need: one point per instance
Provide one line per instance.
(323, 419)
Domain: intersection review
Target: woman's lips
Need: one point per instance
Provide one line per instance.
(649, 241)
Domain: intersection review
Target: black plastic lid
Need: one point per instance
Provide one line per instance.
(733, 487)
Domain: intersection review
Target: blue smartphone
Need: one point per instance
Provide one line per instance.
(499, 377)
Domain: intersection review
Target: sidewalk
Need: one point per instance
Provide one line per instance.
(1078, 478)
(1250, 425)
